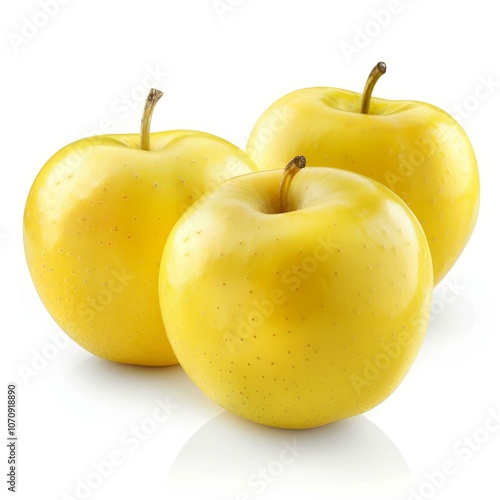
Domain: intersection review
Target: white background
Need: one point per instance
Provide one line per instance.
(85, 70)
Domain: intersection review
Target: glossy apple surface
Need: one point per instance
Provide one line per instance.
(416, 149)
(95, 224)
(297, 317)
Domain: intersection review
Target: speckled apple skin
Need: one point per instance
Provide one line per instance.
(300, 318)
(95, 224)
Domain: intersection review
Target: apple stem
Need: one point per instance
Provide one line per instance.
(372, 79)
(153, 97)
(291, 169)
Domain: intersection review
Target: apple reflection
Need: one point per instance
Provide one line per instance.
(231, 458)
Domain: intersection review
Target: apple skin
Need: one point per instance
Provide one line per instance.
(414, 148)
(301, 318)
(95, 224)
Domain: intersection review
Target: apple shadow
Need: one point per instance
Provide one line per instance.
(232, 458)
(451, 323)
(129, 387)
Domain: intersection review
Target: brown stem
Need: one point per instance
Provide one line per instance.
(291, 169)
(153, 97)
(375, 74)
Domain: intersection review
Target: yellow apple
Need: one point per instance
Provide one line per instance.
(414, 148)
(95, 224)
(294, 301)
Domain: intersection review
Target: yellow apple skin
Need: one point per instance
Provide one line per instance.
(95, 224)
(301, 318)
(414, 148)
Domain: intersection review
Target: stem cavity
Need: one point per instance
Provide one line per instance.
(291, 169)
(153, 97)
(375, 74)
